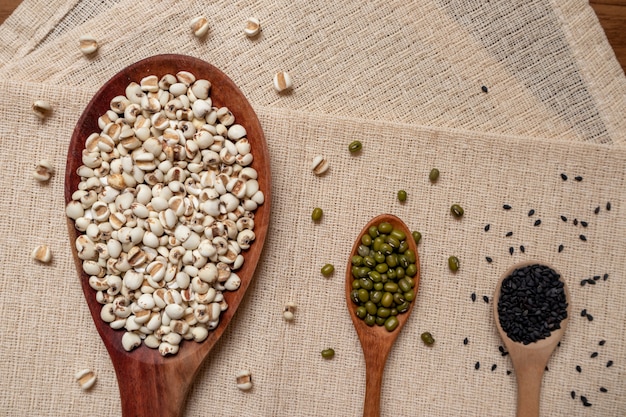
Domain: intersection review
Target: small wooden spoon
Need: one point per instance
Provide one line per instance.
(529, 360)
(376, 341)
(150, 384)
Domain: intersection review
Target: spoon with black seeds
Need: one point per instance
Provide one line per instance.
(531, 309)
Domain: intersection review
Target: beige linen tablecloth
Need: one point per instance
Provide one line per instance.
(403, 78)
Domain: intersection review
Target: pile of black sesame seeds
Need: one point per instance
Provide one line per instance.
(532, 303)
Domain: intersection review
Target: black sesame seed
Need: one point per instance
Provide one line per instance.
(564, 218)
(558, 344)
(589, 317)
(508, 372)
(564, 177)
(585, 402)
(465, 341)
(597, 210)
(591, 281)
(486, 299)
(608, 206)
(493, 367)
(511, 250)
(487, 226)
(602, 389)
(609, 364)
(484, 88)
(473, 296)
(501, 349)
(578, 178)
(506, 207)
(573, 394)
(488, 259)
(583, 313)
(561, 247)
(578, 369)
(602, 342)
(575, 222)
(537, 222)
(531, 212)
(605, 277)
(477, 365)
(594, 354)
(596, 277)
(583, 238)
(583, 282)
(546, 369)
(522, 249)
(583, 223)
(509, 234)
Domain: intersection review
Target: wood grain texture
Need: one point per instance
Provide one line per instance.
(611, 14)
(612, 17)
(150, 384)
(376, 341)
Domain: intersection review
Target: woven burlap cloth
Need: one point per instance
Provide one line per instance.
(405, 79)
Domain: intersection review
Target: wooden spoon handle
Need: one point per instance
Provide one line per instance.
(374, 367)
(529, 391)
(152, 390)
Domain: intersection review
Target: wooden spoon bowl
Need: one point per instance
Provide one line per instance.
(529, 360)
(150, 384)
(376, 341)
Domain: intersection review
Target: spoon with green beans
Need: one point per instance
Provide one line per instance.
(382, 280)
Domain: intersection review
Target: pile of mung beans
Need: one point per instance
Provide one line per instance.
(165, 207)
(382, 272)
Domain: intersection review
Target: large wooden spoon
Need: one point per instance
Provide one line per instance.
(150, 384)
(376, 341)
(529, 360)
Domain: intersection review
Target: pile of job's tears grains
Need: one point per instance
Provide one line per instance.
(166, 205)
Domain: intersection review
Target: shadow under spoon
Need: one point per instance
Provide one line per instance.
(150, 384)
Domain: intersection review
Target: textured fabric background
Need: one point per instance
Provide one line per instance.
(416, 62)
(404, 78)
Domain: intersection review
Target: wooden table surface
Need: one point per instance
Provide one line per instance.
(611, 13)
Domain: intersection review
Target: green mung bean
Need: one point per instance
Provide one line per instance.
(427, 338)
(402, 196)
(366, 240)
(371, 308)
(317, 214)
(417, 236)
(357, 260)
(327, 270)
(370, 320)
(453, 263)
(355, 146)
(328, 353)
(361, 312)
(391, 323)
(385, 227)
(434, 175)
(457, 210)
